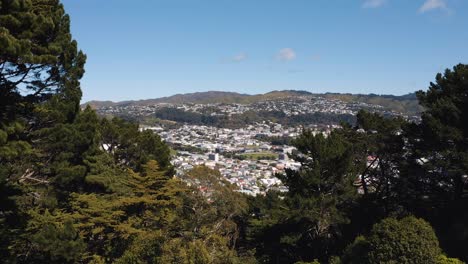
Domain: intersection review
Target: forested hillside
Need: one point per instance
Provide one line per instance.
(78, 188)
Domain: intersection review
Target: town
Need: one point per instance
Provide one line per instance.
(288, 105)
(250, 155)
(242, 156)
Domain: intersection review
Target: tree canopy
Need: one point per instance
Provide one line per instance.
(79, 188)
(409, 240)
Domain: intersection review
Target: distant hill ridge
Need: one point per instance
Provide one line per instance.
(404, 103)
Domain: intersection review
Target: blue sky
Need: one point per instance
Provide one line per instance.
(146, 49)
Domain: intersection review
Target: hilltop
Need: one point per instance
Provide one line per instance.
(406, 104)
(204, 98)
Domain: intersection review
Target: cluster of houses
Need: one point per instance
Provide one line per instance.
(227, 140)
(238, 154)
(252, 177)
(290, 106)
(312, 104)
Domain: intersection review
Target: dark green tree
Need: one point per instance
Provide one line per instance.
(57, 244)
(40, 69)
(309, 224)
(409, 240)
(38, 57)
(320, 191)
(438, 158)
(378, 147)
(131, 147)
(383, 147)
(444, 132)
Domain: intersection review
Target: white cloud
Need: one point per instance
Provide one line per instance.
(433, 5)
(316, 57)
(286, 54)
(240, 57)
(373, 3)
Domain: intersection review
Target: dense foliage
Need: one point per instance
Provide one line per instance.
(409, 240)
(380, 168)
(78, 188)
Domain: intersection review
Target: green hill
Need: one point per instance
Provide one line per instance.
(406, 104)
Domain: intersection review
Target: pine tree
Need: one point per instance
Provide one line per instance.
(438, 158)
(320, 189)
(443, 137)
(131, 147)
(309, 223)
(38, 57)
(40, 69)
(142, 203)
